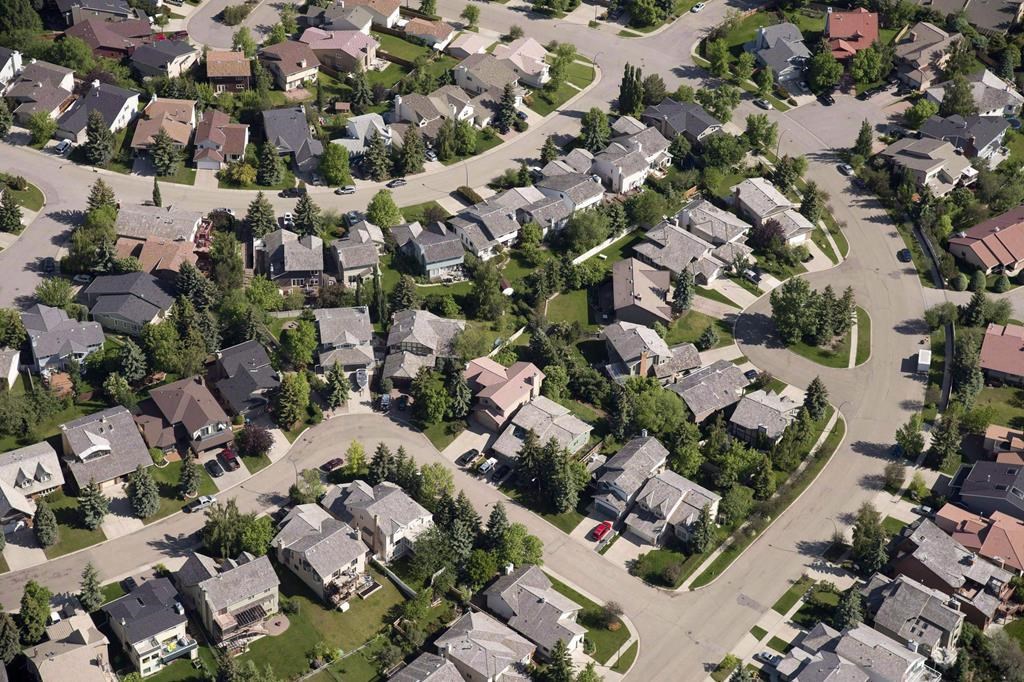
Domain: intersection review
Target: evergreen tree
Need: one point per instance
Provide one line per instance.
(589, 674)
(157, 199)
(6, 118)
(404, 295)
(10, 213)
(763, 479)
(702, 537)
(165, 155)
(292, 399)
(91, 594)
(132, 362)
(101, 195)
(428, 7)
(865, 140)
(869, 539)
(631, 91)
(816, 398)
(594, 131)
(44, 523)
(413, 153)
(506, 117)
(338, 385)
(682, 297)
(850, 613)
(910, 438)
(460, 396)
(93, 505)
(188, 483)
(380, 303)
(99, 141)
(497, 527)
(35, 609)
(260, 216)
(10, 645)
(377, 160)
(382, 465)
(268, 170)
(143, 493)
(708, 338)
(549, 152)
(973, 315)
(361, 95)
(813, 205)
(944, 453)
(560, 668)
(307, 216)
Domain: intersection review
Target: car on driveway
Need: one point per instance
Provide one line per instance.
(751, 374)
(601, 531)
(752, 276)
(904, 256)
(501, 472)
(385, 403)
(826, 99)
(353, 217)
(215, 469)
(522, 115)
(846, 169)
(923, 511)
(229, 459)
(361, 378)
(331, 464)
(467, 457)
(347, 189)
(763, 103)
(769, 658)
(487, 466)
(697, 8)
(397, 182)
(430, 155)
(63, 147)
(201, 502)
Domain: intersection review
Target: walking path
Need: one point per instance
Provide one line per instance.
(853, 345)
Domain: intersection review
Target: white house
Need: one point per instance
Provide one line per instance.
(528, 60)
(384, 12)
(10, 65)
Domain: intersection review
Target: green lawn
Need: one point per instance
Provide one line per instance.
(442, 434)
(167, 480)
(724, 670)
(183, 176)
(580, 75)
(715, 295)
(758, 632)
(516, 268)
(287, 180)
(50, 427)
(1015, 629)
(920, 260)
(836, 356)
(651, 566)
(403, 49)
(565, 521)
(416, 212)
(73, 534)
(123, 158)
(779, 644)
(933, 392)
(689, 327)
(625, 662)
(1006, 402)
(572, 307)
(819, 607)
(582, 410)
(821, 241)
(276, 325)
(792, 595)
(30, 198)
(892, 525)
(544, 102)
(112, 591)
(606, 642)
(622, 248)
(485, 139)
(863, 336)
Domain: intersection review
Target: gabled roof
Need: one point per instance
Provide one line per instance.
(286, 128)
(290, 57)
(765, 412)
(52, 333)
(989, 91)
(630, 341)
(227, 65)
(391, 509)
(188, 402)
(248, 375)
(1002, 350)
(438, 30)
(681, 117)
(161, 53)
(630, 467)
(761, 197)
(215, 128)
(850, 32)
(136, 296)
(99, 34)
(344, 326)
(428, 667)
(671, 247)
(999, 537)
(721, 225)
(325, 543)
(147, 611)
(525, 53)
(424, 328)
(236, 579)
(914, 612)
(107, 99)
(484, 645)
(170, 223)
(103, 446)
(545, 418)
(996, 241)
(156, 254)
(436, 242)
(173, 116)
(503, 386)
(25, 472)
(637, 284)
(288, 252)
(489, 70)
(578, 187)
(712, 388)
(383, 7)
(355, 44)
(539, 611)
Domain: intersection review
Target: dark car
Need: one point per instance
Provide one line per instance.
(501, 472)
(904, 256)
(292, 192)
(402, 402)
(467, 457)
(331, 464)
(397, 182)
(215, 469)
(751, 374)
(129, 584)
(521, 115)
(826, 99)
(49, 264)
(229, 459)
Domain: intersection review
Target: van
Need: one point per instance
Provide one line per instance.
(488, 465)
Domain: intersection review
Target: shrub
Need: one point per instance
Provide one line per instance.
(17, 182)
(1002, 284)
(233, 15)
(469, 194)
(960, 282)
(289, 606)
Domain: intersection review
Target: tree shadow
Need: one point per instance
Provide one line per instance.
(879, 450)
(757, 329)
(177, 545)
(872, 481)
(914, 327)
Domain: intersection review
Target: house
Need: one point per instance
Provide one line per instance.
(288, 131)
(344, 51)
(346, 338)
(981, 590)
(637, 350)
(546, 419)
(10, 66)
(40, 87)
(114, 39)
(636, 151)
(479, 73)
(117, 106)
(997, 537)
(484, 649)
(669, 503)
(993, 245)
(711, 388)
(176, 117)
(228, 71)
(435, 247)
(907, 611)
(244, 378)
(158, 256)
(761, 417)
(781, 49)
(712, 224)
(978, 137)
(359, 132)
(9, 358)
(622, 476)
(467, 43)
(921, 54)
(124, 304)
(934, 164)
(435, 34)
(688, 119)
(992, 95)
(151, 626)
(322, 551)
(528, 60)
(640, 293)
(26, 474)
(74, 11)
(428, 112)
(233, 598)
(388, 520)
(1000, 440)
(579, 161)
(486, 228)
(73, 643)
(418, 338)
(219, 141)
(103, 447)
(760, 201)
(987, 487)
(551, 213)
(354, 259)
(525, 599)
(428, 667)
(500, 391)
(1002, 353)
(847, 33)
(384, 12)
(184, 414)
(338, 17)
(290, 261)
(56, 339)
(168, 58)
(579, 191)
(293, 64)
(989, 17)
(672, 249)
(171, 224)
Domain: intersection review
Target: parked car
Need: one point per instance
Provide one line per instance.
(215, 469)
(601, 531)
(292, 192)
(353, 217)
(229, 211)
(81, 279)
(361, 378)
(201, 502)
(467, 457)
(487, 465)
(129, 584)
(430, 155)
(904, 256)
(331, 464)
(751, 374)
(347, 189)
(752, 276)
(846, 169)
(923, 511)
(501, 472)
(402, 403)
(769, 658)
(63, 147)
(385, 403)
(521, 115)
(763, 103)
(826, 99)
(229, 459)
(697, 8)
(397, 182)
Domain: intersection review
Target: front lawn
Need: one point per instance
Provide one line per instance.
(73, 533)
(580, 75)
(545, 102)
(837, 355)
(606, 641)
(287, 180)
(624, 662)
(183, 176)
(167, 480)
(792, 595)
(30, 198)
(441, 434)
(689, 327)
(820, 606)
(416, 212)
(403, 49)
(893, 526)
(653, 566)
(564, 521)
(485, 139)
(715, 295)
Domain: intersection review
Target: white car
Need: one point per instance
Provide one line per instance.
(200, 503)
(846, 169)
(347, 189)
(697, 8)
(769, 658)
(63, 147)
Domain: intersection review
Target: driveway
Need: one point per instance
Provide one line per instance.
(625, 550)
(121, 520)
(475, 436)
(230, 478)
(23, 550)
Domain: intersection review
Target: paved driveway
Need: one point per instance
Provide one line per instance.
(22, 550)
(121, 520)
(230, 478)
(625, 550)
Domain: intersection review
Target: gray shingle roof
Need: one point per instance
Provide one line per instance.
(326, 543)
(148, 610)
(107, 99)
(424, 328)
(484, 645)
(970, 134)
(52, 333)
(489, 70)
(672, 248)
(104, 446)
(681, 118)
(288, 130)
(288, 252)
(428, 667)
(248, 373)
(30, 470)
(768, 412)
(344, 326)
(140, 222)
(630, 467)
(137, 296)
(545, 418)
(238, 580)
(629, 341)
(911, 610)
(159, 54)
(579, 188)
(390, 507)
(539, 612)
(711, 388)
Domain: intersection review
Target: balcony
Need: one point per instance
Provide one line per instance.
(176, 648)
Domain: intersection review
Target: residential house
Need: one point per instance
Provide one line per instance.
(988, 17)
(40, 87)
(467, 43)
(72, 643)
(344, 51)
(672, 249)
(551, 213)
(388, 520)
(151, 626)
(289, 261)
(26, 474)
(711, 388)
(346, 338)
(293, 64)
(547, 419)
(981, 589)
(176, 117)
(428, 112)
(525, 599)
(907, 611)
(289, 132)
(74, 11)
(218, 141)
(997, 537)
(847, 33)
(986, 487)
(228, 71)
(184, 414)
(384, 12)
(480, 73)
(637, 350)
(244, 378)
(1002, 354)
(354, 260)
(428, 667)
(669, 503)
(436, 248)
(579, 191)
(499, 391)
(167, 58)
(712, 224)
(528, 60)
(322, 551)
(418, 338)
(628, 159)
(992, 95)
(640, 293)
(993, 245)
(10, 66)
(921, 54)
(579, 161)
(621, 477)
(124, 304)
(171, 224)
(160, 257)
(485, 650)
(9, 358)
(688, 119)
(112, 39)
(761, 417)
(780, 48)
(435, 34)
(978, 137)
(1000, 440)
(485, 228)
(338, 17)
(232, 598)
(104, 447)
(760, 201)
(117, 106)
(359, 132)
(56, 339)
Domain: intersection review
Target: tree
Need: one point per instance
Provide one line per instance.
(299, 343)
(490, 302)
(131, 361)
(1009, 61)
(506, 117)
(465, 138)
(945, 450)
(240, 173)
(594, 132)
(413, 153)
(428, 7)
(719, 58)
(743, 69)
(430, 396)
(307, 216)
(226, 254)
(791, 310)
(6, 118)
(816, 399)
(44, 523)
(382, 465)
(910, 438)
(824, 70)
(54, 292)
(260, 216)
(157, 199)
(99, 141)
(12, 331)
(268, 169)
(865, 140)
(10, 645)
(702, 536)
(188, 482)
(91, 594)
(708, 338)
(257, 534)
(93, 505)
(292, 399)
(383, 211)
(334, 165)
(869, 65)
(361, 96)
(957, 99)
(435, 481)
(813, 205)
(10, 213)
(164, 153)
(548, 152)
(761, 133)
(788, 171)
(654, 89)
(763, 478)
(355, 458)
(560, 668)
(682, 297)
(921, 111)
(143, 493)
(631, 91)
(338, 385)
(850, 613)
(471, 13)
(242, 41)
(42, 127)
(719, 101)
(894, 475)
(869, 539)
(377, 159)
(765, 80)
(35, 609)
(497, 527)
(277, 35)
(459, 394)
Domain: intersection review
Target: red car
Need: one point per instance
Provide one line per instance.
(331, 464)
(601, 531)
(229, 459)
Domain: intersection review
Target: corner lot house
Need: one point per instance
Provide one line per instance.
(184, 414)
(151, 626)
(384, 12)
(346, 338)
(759, 200)
(173, 224)
(341, 50)
(639, 293)
(160, 257)
(528, 60)
(761, 417)
(525, 599)
(921, 54)
(40, 86)
(479, 73)
(25, 474)
(232, 598)
(72, 643)
(322, 551)
(711, 388)
(386, 517)
(117, 106)
(669, 503)
(934, 164)
(547, 419)
(847, 33)
(780, 48)
(105, 447)
(417, 338)
(244, 378)
(621, 477)
(978, 137)
(436, 34)
(500, 391)
(992, 95)
(125, 303)
(1002, 353)
(176, 117)
(290, 261)
(993, 245)
(55, 338)
(292, 64)
(485, 649)
(637, 350)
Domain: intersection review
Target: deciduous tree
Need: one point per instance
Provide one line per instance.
(383, 211)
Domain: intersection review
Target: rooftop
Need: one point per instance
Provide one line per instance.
(1002, 349)
(640, 285)
(103, 446)
(148, 610)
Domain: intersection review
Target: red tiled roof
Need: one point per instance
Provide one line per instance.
(851, 32)
(999, 537)
(1002, 350)
(996, 241)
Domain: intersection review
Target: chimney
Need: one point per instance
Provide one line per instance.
(645, 364)
(95, 86)
(643, 433)
(302, 63)
(509, 568)
(912, 645)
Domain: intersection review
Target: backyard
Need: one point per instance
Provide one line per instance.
(1006, 403)
(690, 327)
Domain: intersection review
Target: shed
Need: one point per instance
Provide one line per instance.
(924, 361)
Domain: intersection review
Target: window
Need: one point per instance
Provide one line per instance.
(298, 282)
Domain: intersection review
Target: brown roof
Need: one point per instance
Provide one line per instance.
(1003, 349)
(851, 32)
(996, 241)
(637, 284)
(505, 386)
(422, 27)
(157, 253)
(188, 402)
(173, 115)
(217, 128)
(999, 537)
(227, 65)
(112, 35)
(291, 56)
(384, 7)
